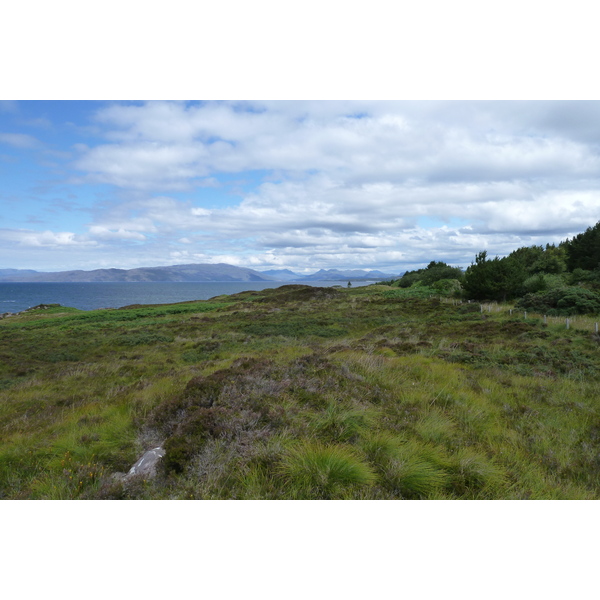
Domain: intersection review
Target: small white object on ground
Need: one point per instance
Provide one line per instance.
(146, 465)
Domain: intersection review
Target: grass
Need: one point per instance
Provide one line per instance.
(300, 392)
(314, 470)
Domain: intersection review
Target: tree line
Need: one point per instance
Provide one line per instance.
(558, 279)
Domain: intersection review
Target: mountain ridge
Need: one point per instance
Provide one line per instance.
(193, 272)
(174, 273)
(336, 274)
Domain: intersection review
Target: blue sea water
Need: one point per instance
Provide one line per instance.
(15, 297)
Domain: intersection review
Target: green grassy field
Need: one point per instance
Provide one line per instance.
(300, 393)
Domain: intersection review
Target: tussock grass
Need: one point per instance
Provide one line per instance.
(341, 424)
(473, 473)
(414, 471)
(435, 426)
(315, 471)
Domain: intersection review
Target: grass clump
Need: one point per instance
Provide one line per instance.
(475, 475)
(313, 470)
(338, 423)
(407, 469)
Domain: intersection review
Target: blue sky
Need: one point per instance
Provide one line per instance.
(302, 185)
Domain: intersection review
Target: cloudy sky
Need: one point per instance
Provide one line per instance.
(291, 184)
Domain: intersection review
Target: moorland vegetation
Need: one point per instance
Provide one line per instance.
(399, 390)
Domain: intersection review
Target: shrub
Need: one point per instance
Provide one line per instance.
(178, 452)
(61, 356)
(469, 308)
(543, 282)
(588, 279)
(139, 339)
(449, 287)
(563, 301)
(191, 435)
(201, 351)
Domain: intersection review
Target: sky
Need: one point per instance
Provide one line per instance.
(300, 185)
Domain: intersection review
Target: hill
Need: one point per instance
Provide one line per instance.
(7, 273)
(282, 274)
(188, 272)
(338, 275)
(370, 392)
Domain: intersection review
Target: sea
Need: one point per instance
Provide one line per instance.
(16, 297)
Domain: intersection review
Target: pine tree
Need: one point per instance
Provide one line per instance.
(583, 251)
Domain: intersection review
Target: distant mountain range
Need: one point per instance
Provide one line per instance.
(282, 274)
(192, 272)
(335, 275)
(15, 272)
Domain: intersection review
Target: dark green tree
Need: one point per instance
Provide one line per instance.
(536, 259)
(553, 261)
(526, 257)
(435, 271)
(583, 251)
(497, 279)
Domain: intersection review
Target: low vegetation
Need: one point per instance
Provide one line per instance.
(375, 392)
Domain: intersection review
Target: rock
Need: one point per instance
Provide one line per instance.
(146, 465)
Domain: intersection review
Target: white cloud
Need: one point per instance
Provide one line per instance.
(101, 232)
(144, 166)
(45, 239)
(20, 140)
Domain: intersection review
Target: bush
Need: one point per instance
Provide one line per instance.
(588, 279)
(435, 271)
(449, 287)
(191, 435)
(542, 282)
(562, 302)
(139, 339)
